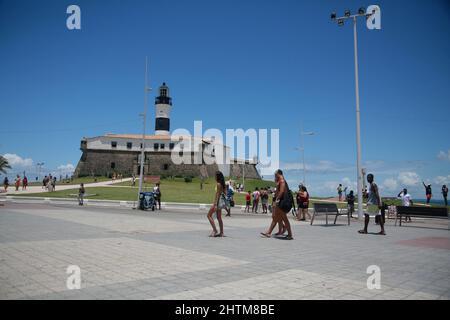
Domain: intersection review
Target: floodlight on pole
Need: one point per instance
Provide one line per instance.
(374, 11)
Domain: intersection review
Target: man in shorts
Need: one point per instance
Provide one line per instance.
(374, 205)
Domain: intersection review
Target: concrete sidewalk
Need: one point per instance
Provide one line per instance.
(124, 254)
(59, 187)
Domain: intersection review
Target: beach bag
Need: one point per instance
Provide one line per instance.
(287, 202)
(222, 204)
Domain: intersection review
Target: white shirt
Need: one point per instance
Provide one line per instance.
(406, 199)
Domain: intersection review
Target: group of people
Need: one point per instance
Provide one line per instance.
(429, 193)
(350, 197)
(116, 176)
(253, 199)
(49, 183)
(17, 183)
(282, 203)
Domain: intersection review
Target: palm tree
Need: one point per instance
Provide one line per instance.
(4, 164)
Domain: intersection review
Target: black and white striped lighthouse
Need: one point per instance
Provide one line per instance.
(163, 105)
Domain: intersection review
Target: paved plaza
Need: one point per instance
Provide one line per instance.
(129, 254)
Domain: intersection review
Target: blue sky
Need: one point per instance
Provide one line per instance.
(234, 64)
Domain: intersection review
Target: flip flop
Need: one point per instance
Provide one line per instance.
(381, 233)
(362, 232)
(265, 235)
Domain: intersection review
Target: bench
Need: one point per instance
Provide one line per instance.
(422, 212)
(328, 209)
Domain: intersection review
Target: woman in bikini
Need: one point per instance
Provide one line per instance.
(279, 215)
(217, 206)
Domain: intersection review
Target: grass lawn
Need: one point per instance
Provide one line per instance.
(173, 190)
(176, 192)
(250, 184)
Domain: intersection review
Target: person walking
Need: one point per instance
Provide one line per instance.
(406, 201)
(6, 183)
(24, 183)
(53, 182)
(445, 193)
(256, 195)
(218, 205)
(351, 203)
(133, 180)
(428, 192)
(50, 183)
(17, 183)
(374, 205)
(303, 204)
(282, 205)
(81, 192)
(230, 200)
(264, 199)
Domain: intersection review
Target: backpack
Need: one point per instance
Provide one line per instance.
(287, 202)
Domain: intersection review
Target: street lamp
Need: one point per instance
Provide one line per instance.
(340, 22)
(144, 121)
(39, 165)
(302, 149)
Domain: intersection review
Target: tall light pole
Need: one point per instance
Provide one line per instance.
(340, 22)
(243, 174)
(302, 150)
(144, 121)
(39, 165)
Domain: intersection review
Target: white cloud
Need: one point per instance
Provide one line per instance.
(390, 184)
(346, 181)
(321, 166)
(17, 161)
(442, 180)
(442, 155)
(408, 178)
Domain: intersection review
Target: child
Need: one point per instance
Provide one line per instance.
(351, 203)
(247, 201)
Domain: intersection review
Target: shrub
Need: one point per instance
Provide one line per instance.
(187, 179)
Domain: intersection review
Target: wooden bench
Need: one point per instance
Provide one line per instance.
(328, 209)
(422, 212)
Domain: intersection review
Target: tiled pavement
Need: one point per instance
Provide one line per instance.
(126, 254)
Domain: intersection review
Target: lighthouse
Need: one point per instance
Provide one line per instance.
(163, 105)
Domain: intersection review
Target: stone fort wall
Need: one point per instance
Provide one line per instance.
(106, 162)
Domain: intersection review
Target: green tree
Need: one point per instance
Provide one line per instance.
(4, 164)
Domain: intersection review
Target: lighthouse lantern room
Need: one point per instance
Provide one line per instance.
(163, 106)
